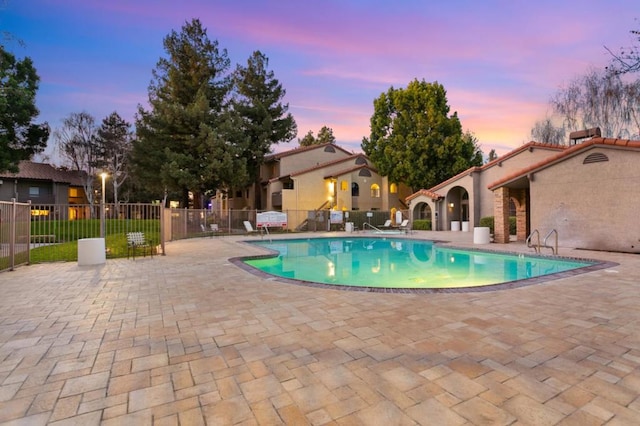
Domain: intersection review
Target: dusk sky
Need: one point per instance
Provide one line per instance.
(500, 61)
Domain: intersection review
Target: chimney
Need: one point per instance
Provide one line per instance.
(574, 137)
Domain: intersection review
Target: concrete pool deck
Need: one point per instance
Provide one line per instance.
(189, 338)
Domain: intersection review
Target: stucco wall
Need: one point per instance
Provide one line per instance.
(307, 159)
(519, 161)
(592, 206)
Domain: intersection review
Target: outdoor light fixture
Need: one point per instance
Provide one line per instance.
(451, 205)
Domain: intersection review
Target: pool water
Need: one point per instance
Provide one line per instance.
(399, 263)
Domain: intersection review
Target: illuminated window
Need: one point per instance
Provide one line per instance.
(36, 212)
(393, 188)
(375, 191)
(344, 185)
(73, 192)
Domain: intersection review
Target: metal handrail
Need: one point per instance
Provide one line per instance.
(554, 248)
(530, 237)
(365, 224)
(265, 230)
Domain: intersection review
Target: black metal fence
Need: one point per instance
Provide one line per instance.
(33, 233)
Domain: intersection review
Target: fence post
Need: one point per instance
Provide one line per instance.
(162, 228)
(12, 235)
(29, 234)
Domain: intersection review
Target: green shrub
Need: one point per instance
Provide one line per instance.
(422, 224)
(488, 221)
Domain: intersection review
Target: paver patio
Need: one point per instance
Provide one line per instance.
(191, 339)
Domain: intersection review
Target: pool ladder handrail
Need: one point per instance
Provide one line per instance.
(536, 247)
(554, 248)
(365, 224)
(265, 230)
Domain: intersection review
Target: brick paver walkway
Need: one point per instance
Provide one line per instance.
(191, 339)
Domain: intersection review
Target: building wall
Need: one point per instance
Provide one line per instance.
(476, 184)
(592, 206)
(7, 189)
(306, 159)
(344, 199)
(496, 172)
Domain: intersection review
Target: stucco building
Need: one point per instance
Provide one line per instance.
(316, 178)
(45, 187)
(587, 192)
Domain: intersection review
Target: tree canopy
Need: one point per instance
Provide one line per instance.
(414, 140)
(325, 135)
(20, 138)
(77, 146)
(114, 143)
(207, 128)
(627, 60)
(600, 99)
(264, 118)
(544, 131)
(177, 138)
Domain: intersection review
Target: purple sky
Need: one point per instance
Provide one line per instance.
(500, 61)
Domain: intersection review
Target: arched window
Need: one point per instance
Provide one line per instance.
(375, 191)
(355, 190)
(344, 185)
(393, 188)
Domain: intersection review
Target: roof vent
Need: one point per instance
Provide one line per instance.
(596, 157)
(574, 137)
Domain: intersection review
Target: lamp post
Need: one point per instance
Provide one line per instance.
(103, 175)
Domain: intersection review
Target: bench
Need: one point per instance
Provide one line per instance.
(136, 240)
(43, 239)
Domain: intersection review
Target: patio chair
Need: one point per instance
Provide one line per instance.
(136, 241)
(249, 227)
(387, 224)
(404, 226)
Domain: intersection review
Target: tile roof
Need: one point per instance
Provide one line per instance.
(350, 170)
(44, 172)
(528, 146)
(426, 193)
(566, 153)
(351, 157)
(300, 149)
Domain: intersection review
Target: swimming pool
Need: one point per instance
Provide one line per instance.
(396, 263)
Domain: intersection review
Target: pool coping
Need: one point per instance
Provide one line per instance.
(596, 265)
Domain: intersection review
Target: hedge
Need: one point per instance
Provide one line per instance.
(487, 221)
(422, 224)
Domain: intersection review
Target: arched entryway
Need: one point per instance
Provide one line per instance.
(458, 208)
(423, 211)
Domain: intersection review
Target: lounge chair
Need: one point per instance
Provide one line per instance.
(404, 226)
(387, 224)
(249, 227)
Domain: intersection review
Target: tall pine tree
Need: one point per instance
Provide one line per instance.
(257, 103)
(180, 146)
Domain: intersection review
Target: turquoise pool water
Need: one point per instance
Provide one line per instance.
(399, 263)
